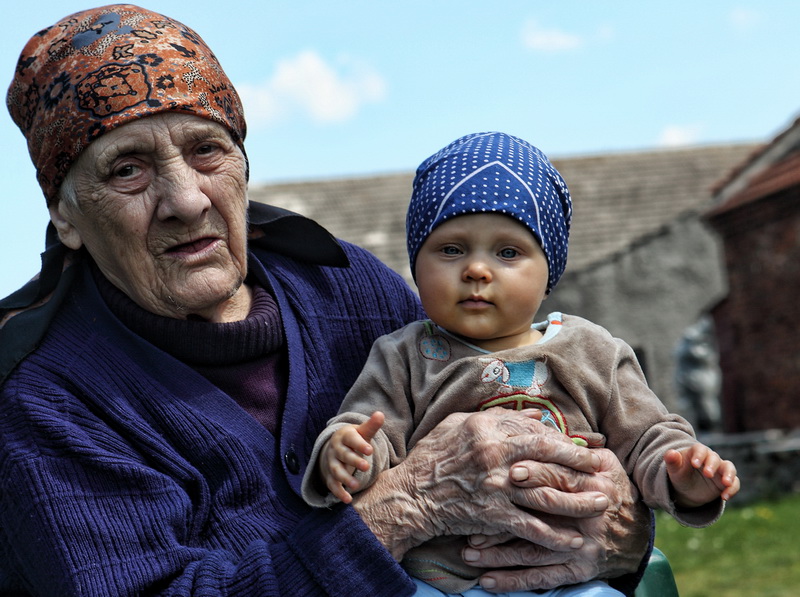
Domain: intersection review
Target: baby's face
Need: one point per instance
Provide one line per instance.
(483, 277)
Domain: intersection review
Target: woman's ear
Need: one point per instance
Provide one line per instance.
(68, 234)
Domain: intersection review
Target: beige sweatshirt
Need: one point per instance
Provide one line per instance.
(587, 383)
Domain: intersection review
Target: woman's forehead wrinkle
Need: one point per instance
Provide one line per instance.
(140, 138)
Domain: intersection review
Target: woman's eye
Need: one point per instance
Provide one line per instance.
(207, 156)
(508, 253)
(125, 171)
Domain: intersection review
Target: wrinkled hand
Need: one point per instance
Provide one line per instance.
(614, 542)
(456, 481)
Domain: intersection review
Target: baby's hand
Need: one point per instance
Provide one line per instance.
(342, 455)
(699, 476)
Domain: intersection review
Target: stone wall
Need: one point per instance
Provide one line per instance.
(650, 295)
(768, 462)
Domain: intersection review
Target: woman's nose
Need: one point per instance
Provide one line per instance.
(181, 194)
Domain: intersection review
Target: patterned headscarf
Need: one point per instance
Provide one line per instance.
(101, 68)
(492, 173)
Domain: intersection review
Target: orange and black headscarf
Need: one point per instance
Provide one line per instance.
(101, 68)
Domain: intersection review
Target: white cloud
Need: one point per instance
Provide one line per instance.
(535, 37)
(605, 33)
(680, 135)
(261, 106)
(744, 19)
(308, 85)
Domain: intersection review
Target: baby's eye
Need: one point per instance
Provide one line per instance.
(450, 250)
(508, 253)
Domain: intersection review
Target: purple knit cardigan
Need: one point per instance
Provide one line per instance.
(124, 472)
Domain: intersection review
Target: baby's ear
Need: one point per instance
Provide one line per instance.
(68, 234)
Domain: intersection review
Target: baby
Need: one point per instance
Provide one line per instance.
(487, 234)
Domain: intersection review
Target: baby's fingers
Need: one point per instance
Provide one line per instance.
(338, 490)
(731, 490)
(340, 475)
(356, 443)
(370, 427)
(727, 472)
(674, 459)
(704, 459)
(353, 460)
(729, 478)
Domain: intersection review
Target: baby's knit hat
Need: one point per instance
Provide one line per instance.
(492, 173)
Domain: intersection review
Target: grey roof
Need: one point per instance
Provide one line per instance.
(618, 199)
(367, 211)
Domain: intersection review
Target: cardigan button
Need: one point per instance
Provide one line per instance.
(292, 462)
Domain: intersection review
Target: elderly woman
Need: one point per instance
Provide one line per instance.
(165, 376)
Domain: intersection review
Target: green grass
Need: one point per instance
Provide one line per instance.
(752, 550)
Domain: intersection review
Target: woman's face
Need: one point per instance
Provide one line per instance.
(162, 209)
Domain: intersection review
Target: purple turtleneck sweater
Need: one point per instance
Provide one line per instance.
(245, 359)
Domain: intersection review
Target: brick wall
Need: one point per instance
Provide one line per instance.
(758, 325)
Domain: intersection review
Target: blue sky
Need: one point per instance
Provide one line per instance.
(335, 89)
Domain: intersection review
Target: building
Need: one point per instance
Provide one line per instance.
(641, 263)
(756, 212)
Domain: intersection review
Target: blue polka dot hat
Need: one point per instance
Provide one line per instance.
(492, 173)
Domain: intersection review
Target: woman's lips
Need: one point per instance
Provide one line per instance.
(192, 248)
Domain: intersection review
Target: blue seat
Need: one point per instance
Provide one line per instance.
(658, 580)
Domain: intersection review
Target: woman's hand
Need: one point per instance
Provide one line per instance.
(614, 542)
(456, 481)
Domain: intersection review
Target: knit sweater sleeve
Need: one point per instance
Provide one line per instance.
(85, 510)
(125, 473)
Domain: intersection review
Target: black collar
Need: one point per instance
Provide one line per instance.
(290, 234)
